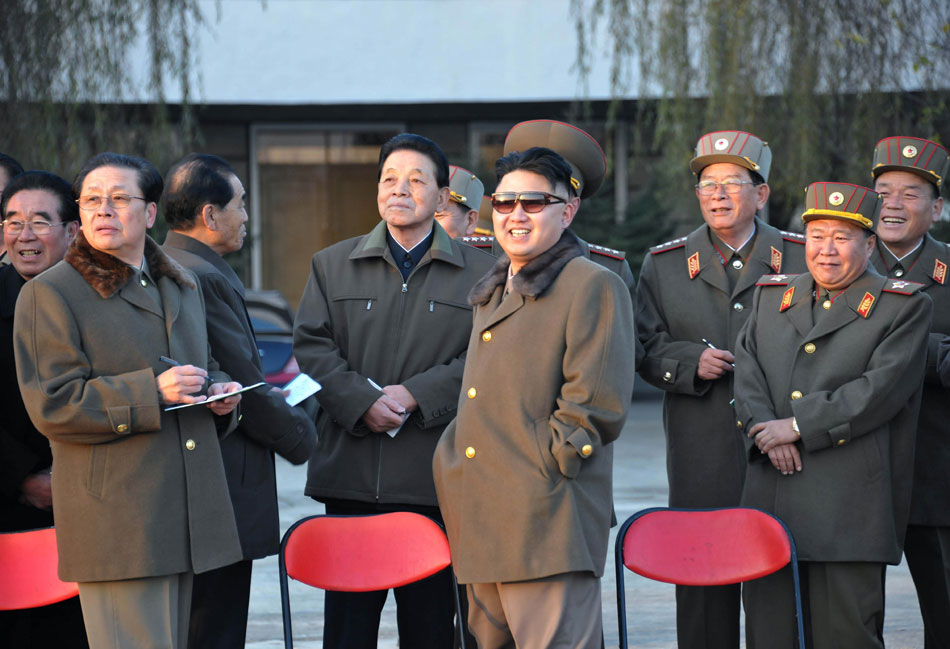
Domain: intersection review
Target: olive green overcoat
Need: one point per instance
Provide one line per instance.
(524, 472)
(138, 491)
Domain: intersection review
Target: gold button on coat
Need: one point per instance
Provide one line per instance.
(472, 392)
(121, 428)
(796, 395)
(826, 305)
(842, 442)
(810, 348)
(738, 423)
(586, 450)
(486, 336)
(143, 282)
(470, 452)
(190, 444)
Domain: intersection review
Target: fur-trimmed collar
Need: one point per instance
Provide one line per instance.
(108, 274)
(534, 277)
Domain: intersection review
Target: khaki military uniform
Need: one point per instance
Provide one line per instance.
(852, 381)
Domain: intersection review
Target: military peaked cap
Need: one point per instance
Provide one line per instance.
(587, 159)
(927, 159)
(843, 201)
(465, 187)
(737, 147)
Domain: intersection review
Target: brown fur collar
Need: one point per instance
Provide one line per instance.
(534, 277)
(108, 274)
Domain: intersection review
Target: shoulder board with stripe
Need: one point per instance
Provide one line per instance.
(606, 252)
(902, 287)
(478, 242)
(669, 245)
(795, 237)
(775, 280)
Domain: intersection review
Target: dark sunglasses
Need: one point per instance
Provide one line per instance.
(531, 202)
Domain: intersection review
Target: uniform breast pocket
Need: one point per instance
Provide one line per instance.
(356, 305)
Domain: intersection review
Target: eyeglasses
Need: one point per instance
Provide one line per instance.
(729, 185)
(118, 201)
(39, 228)
(531, 202)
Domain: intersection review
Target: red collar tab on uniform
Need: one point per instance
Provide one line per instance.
(940, 271)
(776, 262)
(864, 309)
(787, 299)
(693, 265)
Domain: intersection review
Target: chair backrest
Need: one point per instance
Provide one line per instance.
(705, 547)
(28, 563)
(364, 553)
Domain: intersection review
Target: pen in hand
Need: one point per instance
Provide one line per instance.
(711, 346)
(174, 363)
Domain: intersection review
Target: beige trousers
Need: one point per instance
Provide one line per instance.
(561, 611)
(146, 613)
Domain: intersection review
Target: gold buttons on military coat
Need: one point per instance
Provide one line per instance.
(470, 452)
(796, 395)
(810, 348)
(486, 336)
(190, 444)
(143, 283)
(586, 450)
(842, 442)
(739, 424)
(472, 392)
(122, 428)
(737, 307)
(826, 305)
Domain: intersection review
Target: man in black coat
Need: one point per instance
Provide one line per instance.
(204, 207)
(40, 220)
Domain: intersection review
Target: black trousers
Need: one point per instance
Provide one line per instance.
(219, 601)
(425, 610)
(928, 556)
(58, 625)
(707, 617)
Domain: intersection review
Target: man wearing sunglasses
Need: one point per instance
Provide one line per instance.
(523, 473)
(40, 219)
(694, 296)
(588, 168)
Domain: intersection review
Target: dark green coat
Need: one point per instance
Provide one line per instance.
(853, 384)
(132, 500)
(704, 455)
(930, 503)
(357, 320)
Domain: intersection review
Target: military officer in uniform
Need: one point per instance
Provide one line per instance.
(828, 374)
(693, 298)
(588, 168)
(908, 173)
(460, 216)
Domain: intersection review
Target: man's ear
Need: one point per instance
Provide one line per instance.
(443, 203)
(207, 217)
(471, 222)
(570, 209)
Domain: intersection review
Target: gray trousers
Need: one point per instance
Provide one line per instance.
(558, 612)
(145, 613)
(842, 604)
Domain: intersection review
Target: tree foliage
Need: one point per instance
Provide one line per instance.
(70, 70)
(821, 80)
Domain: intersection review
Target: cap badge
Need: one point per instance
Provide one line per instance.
(837, 198)
(776, 262)
(721, 144)
(940, 271)
(866, 303)
(910, 151)
(787, 299)
(693, 265)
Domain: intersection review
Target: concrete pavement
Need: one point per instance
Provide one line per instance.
(639, 482)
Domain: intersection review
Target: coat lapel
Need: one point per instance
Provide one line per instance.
(502, 308)
(799, 313)
(136, 295)
(843, 313)
(710, 268)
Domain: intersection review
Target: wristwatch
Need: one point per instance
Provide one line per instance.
(795, 427)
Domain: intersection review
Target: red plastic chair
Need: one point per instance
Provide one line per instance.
(359, 554)
(28, 563)
(704, 547)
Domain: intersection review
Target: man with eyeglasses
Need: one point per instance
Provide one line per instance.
(105, 344)
(8, 169)
(524, 472)
(383, 325)
(204, 205)
(908, 173)
(40, 219)
(694, 295)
